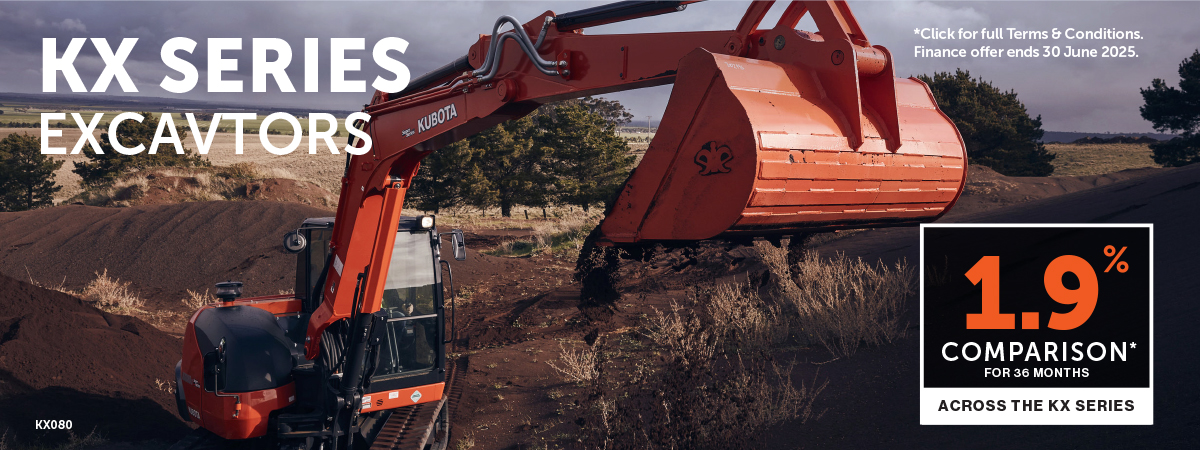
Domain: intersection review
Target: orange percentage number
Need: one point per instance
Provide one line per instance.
(1122, 266)
(986, 272)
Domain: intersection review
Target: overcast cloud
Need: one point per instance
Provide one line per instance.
(1094, 95)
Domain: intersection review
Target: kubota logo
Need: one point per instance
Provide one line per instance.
(712, 158)
(436, 118)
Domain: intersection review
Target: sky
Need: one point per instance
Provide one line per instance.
(1071, 94)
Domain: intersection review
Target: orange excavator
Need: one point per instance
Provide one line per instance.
(768, 132)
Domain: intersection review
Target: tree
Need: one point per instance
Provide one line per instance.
(497, 167)
(610, 110)
(26, 175)
(1176, 110)
(567, 152)
(105, 165)
(587, 159)
(995, 126)
(506, 168)
(439, 182)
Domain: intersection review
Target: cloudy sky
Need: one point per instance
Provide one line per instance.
(1087, 94)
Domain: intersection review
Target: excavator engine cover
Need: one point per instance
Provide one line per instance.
(757, 148)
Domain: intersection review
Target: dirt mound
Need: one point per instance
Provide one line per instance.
(175, 185)
(61, 359)
(162, 249)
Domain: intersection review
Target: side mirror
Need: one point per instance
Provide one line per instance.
(460, 245)
(294, 241)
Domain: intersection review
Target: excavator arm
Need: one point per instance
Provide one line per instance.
(767, 132)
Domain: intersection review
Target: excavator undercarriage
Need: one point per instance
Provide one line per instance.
(769, 132)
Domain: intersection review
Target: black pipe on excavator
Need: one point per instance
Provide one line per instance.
(615, 12)
(436, 77)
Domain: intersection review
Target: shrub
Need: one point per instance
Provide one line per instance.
(197, 300)
(111, 295)
(841, 303)
(239, 171)
(577, 366)
(714, 384)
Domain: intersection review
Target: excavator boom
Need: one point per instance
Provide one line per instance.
(768, 131)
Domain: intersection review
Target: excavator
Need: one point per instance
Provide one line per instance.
(768, 132)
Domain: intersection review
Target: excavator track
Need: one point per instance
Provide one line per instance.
(408, 428)
(416, 427)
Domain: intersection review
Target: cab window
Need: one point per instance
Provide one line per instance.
(410, 303)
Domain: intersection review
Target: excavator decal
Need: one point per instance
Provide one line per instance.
(437, 118)
(712, 158)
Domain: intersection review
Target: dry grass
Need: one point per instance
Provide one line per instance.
(567, 234)
(118, 194)
(164, 386)
(466, 442)
(683, 335)
(738, 310)
(115, 297)
(111, 295)
(1098, 159)
(577, 366)
(252, 171)
(562, 236)
(197, 300)
(841, 303)
(60, 287)
(197, 184)
(707, 378)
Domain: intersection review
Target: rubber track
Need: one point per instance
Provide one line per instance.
(409, 428)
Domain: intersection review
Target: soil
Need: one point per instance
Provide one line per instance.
(163, 250)
(514, 314)
(61, 359)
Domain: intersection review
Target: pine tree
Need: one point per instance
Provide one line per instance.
(588, 160)
(994, 125)
(107, 164)
(26, 175)
(507, 169)
(610, 110)
(1176, 110)
(439, 182)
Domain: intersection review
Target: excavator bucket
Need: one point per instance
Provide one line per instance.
(753, 147)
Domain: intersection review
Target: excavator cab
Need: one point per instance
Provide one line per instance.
(407, 361)
(406, 351)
